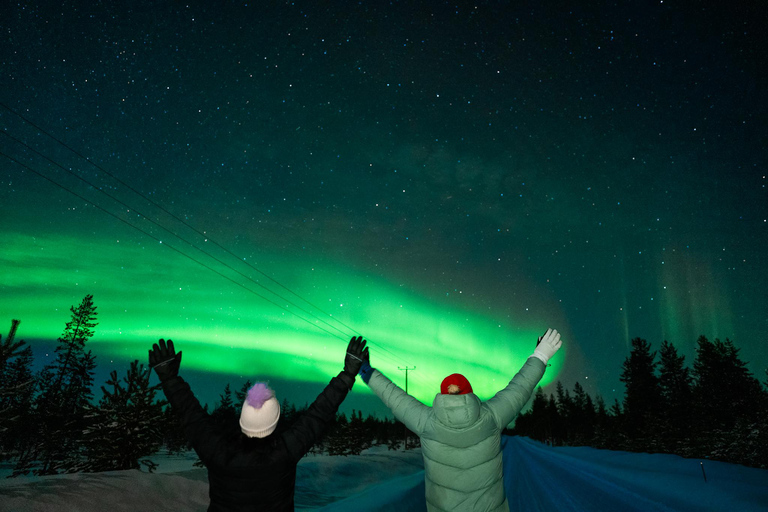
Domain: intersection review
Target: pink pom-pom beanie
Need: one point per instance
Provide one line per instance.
(260, 413)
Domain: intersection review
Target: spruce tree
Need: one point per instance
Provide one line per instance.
(534, 422)
(725, 391)
(555, 421)
(64, 399)
(577, 415)
(10, 347)
(675, 382)
(127, 425)
(643, 394)
(16, 390)
(539, 427)
(565, 410)
(601, 425)
(174, 439)
(240, 395)
(560, 390)
(225, 413)
(590, 420)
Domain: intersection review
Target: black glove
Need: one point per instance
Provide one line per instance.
(355, 354)
(164, 360)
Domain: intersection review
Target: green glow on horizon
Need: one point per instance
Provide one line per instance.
(144, 292)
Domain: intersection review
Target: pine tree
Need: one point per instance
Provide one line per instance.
(590, 420)
(225, 413)
(675, 382)
(577, 415)
(725, 390)
(358, 437)
(174, 439)
(533, 423)
(289, 413)
(240, 395)
(560, 390)
(64, 399)
(602, 434)
(10, 347)
(555, 421)
(643, 394)
(565, 408)
(127, 425)
(16, 390)
(539, 427)
(616, 408)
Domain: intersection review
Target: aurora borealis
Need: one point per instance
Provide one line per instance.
(446, 180)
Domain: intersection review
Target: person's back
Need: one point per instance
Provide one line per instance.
(460, 446)
(461, 436)
(253, 467)
(252, 473)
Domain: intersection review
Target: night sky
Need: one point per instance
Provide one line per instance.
(446, 180)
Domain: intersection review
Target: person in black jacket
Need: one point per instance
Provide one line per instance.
(253, 467)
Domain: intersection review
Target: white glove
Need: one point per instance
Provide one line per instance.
(547, 345)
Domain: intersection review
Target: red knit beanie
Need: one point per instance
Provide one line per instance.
(455, 384)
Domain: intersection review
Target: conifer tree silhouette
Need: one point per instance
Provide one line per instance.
(127, 425)
(60, 410)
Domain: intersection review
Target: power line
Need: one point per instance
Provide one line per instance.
(138, 212)
(161, 242)
(156, 223)
(161, 208)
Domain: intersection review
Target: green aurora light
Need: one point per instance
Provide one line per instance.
(144, 292)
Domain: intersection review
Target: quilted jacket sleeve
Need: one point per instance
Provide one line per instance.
(406, 409)
(507, 403)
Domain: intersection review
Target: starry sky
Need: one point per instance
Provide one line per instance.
(260, 182)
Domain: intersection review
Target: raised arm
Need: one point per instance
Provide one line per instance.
(198, 426)
(406, 409)
(311, 424)
(508, 402)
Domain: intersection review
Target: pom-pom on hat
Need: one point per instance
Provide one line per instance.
(455, 384)
(260, 413)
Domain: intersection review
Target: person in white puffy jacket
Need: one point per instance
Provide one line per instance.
(460, 435)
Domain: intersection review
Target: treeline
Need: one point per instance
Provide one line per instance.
(50, 421)
(715, 409)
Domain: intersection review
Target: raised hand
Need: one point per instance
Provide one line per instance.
(547, 345)
(164, 359)
(356, 351)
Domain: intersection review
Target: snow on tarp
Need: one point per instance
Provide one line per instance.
(541, 478)
(537, 477)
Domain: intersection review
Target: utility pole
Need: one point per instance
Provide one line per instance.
(405, 429)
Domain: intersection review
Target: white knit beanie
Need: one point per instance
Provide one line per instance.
(260, 413)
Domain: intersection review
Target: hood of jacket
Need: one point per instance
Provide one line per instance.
(456, 411)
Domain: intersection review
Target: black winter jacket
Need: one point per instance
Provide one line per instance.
(253, 474)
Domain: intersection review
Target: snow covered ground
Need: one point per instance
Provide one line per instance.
(538, 477)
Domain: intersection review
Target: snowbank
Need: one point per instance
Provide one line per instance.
(538, 478)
